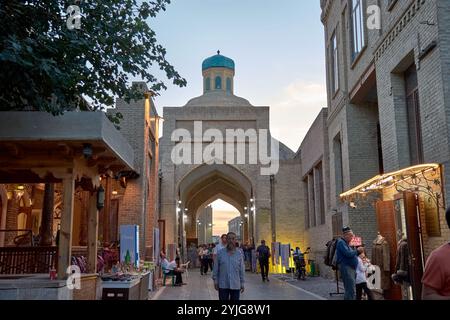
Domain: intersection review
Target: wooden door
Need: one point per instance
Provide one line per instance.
(414, 234)
(386, 227)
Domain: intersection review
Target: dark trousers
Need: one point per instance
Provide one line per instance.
(204, 267)
(264, 265)
(211, 264)
(359, 289)
(178, 278)
(229, 295)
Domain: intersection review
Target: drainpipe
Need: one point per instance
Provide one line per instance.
(272, 208)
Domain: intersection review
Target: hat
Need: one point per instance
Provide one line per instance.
(346, 230)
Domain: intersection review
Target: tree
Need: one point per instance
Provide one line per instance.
(45, 65)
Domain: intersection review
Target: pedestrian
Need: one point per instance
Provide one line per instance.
(205, 256)
(263, 255)
(222, 244)
(171, 268)
(361, 275)
(199, 255)
(347, 261)
(228, 274)
(436, 277)
(210, 256)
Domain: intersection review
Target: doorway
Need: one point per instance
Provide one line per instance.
(400, 219)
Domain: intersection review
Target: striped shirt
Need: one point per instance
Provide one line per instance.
(228, 272)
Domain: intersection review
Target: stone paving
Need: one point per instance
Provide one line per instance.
(318, 285)
(202, 288)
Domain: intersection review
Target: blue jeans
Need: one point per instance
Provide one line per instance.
(229, 295)
(348, 276)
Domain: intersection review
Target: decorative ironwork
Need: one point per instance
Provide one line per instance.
(422, 180)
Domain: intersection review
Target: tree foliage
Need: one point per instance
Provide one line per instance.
(46, 66)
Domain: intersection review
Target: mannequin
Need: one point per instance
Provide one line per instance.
(401, 275)
(381, 258)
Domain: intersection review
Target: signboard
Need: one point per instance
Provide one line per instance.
(285, 255)
(356, 242)
(275, 252)
(129, 244)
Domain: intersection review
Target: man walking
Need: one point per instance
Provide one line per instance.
(347, 261)
(222, 244)
(263, 255)
(228, 273)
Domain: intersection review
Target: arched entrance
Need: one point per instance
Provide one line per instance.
(206, 184)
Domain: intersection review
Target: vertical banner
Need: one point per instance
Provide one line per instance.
(129, 244)
(275, 256)
(156, 246)
(285, 255)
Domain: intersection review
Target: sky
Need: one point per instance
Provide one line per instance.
(222, 213)
(278, 49)
(277, 46)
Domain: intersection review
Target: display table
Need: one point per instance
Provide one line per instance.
(135, 288)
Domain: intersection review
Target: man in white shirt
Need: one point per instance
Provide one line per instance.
(171, 268)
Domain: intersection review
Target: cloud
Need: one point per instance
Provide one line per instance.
(294, 110)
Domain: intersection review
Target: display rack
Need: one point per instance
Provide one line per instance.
(337, 285)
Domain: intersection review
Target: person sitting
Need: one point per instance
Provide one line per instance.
(170, 268)
(300, 264)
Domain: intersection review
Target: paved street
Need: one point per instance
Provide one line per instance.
(202, 288)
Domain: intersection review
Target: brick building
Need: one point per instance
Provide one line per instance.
(138, 203)
(389, 108)
(315, 172)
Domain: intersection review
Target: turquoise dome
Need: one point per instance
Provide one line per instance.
(218, 61)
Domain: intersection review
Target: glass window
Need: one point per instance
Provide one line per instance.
(218, 83)
(229, 85)
(335, 64)
(358, 28)
(338, 168)
(208, 84)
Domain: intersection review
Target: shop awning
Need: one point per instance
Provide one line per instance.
(412, 179)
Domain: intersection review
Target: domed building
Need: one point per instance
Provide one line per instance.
(218, 146)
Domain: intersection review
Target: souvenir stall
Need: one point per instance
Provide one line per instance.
(130, 278)
(408, 205)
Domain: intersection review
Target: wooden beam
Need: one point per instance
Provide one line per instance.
(65, 237)
(14, 150)
(101, 161)
(65, 150)
(92, 234)
(39, 161)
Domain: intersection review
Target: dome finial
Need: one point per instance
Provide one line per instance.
(218, 51)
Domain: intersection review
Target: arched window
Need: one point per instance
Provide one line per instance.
(229, 85)
(218, 81)
(208, 84)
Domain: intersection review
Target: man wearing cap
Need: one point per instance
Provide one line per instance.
(347, 261)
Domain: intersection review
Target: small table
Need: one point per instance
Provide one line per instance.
(134, 289)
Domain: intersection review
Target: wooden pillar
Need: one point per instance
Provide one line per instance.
(46, 230)
(11, 220)
(107, 212)
(65, 237)
(92, 229)
(85, 207)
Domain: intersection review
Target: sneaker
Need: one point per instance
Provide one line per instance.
(268, 280)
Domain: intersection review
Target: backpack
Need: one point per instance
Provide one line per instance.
(330, 256)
